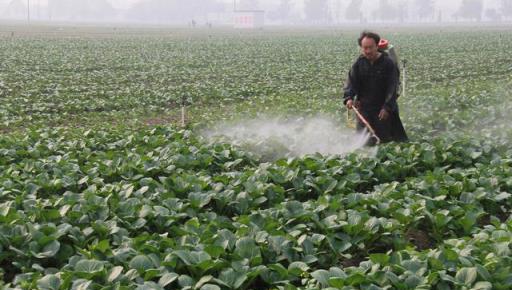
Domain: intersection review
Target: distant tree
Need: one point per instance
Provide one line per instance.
(335, 10)
(283, 11)
(506, 8)
(402, 10)
(353, 11)
(387, 11)
(425, 8)
(97, 9)
(471, 9)
(492, 15)
(57, 8)
(80, 10)
(247, 5)
(151, 11)
(317, 10)
(201, 8)
(16, 9)
(172, 11)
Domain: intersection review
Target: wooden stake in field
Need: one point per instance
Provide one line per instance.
(404, 62)
(183, 111)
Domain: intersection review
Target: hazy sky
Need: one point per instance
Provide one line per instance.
(447, 7)
(444, 4)
(115, 3)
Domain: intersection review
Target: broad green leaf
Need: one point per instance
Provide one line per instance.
(382, 259)
(412, 281)
(89, 266)
(322, 276)
(210, 287)
(141, 263)
(185, 281)
(354, 218)
(192, 258)
(502, 196)
(49, 250)
(280, 270)
(355, 279)
(466, 276)
(5, 207)
(413, 265)
(203, 280)
(214, 251)
(247, 248)
(81, 284)
(49, 282)
(114, 273)
(64, 210)
(482, 285)
(298, 268)
(232, 278)
(167, 279)
(336, 282)
(149, 286)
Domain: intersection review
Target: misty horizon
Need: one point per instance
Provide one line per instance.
(281, 12)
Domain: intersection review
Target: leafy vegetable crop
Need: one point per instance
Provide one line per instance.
(157, 207)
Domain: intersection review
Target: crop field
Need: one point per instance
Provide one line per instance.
(100, 188)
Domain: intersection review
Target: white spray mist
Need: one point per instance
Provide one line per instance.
(290, 137)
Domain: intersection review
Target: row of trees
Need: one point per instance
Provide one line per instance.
(420, 10)
(59, 9)
(315, 11)
(153, 11)
(173, 11)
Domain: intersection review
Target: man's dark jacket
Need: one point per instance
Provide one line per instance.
(375, 86)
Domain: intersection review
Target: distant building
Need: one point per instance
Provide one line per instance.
(249, 19)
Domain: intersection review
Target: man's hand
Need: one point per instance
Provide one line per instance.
(383, 114)
(349, 104)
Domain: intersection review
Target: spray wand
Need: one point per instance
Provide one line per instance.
(366, 124)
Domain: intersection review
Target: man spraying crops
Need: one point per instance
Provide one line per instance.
(372, 88)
